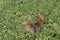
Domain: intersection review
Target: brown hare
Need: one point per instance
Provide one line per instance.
(36, 27)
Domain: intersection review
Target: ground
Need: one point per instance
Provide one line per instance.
(14, 12)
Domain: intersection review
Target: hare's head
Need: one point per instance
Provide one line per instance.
(26, 22)
(42, 18)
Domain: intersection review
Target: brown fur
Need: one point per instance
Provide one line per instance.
(36, 27)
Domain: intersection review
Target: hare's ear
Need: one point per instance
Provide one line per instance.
(39, 13)
(30, 17)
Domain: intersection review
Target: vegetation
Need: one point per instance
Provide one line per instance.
(14, 12)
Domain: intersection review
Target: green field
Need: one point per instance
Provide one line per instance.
(14, 12)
